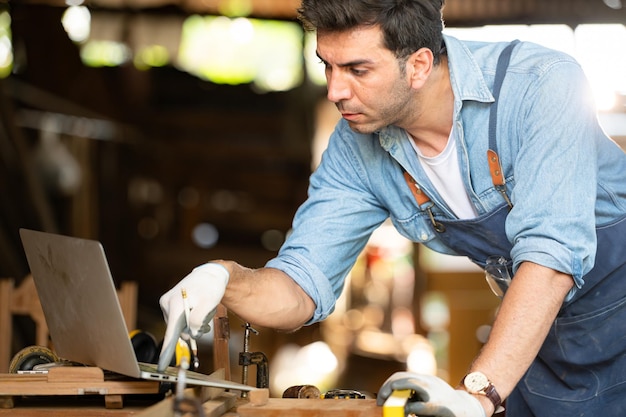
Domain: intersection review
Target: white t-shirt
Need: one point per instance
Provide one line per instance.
(444, 172)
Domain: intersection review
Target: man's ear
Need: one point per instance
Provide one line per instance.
(419, 66)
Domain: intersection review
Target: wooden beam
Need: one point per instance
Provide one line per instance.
(291, 407)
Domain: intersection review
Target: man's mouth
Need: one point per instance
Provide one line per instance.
(350, 116)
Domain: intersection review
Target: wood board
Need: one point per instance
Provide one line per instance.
(72, 381)
(296, 407)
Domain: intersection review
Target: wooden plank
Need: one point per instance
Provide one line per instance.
(17, 378)
(71, 388)
(25, 301)
(6, 323)
(72, 381)
(113, 401)
(292, 407)
(127, 295)
(219, 406)
(75, 374)
(85, 382)
(221, 337)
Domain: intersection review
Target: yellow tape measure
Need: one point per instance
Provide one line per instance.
(396, 402)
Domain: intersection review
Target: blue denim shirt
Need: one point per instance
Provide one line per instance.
(564, 175)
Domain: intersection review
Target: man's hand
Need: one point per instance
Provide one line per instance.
(205, 287)
(433, 396)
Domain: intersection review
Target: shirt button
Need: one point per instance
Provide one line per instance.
(424, 236)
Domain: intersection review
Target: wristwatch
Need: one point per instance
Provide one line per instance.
(478, 383)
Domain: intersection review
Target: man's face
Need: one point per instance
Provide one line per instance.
(364, 78)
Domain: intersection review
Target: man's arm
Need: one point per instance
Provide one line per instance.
(266, 297)
(522, 324)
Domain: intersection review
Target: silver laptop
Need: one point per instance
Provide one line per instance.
(83, 313)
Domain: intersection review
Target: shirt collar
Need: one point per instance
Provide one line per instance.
(466, 78)
(466, 75)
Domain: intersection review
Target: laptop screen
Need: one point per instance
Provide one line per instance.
(79, 301)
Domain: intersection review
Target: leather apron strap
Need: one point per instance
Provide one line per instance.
(495, 167)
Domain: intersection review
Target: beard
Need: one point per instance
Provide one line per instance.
(393, 107)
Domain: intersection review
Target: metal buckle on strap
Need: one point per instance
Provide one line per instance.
(502, 190)
(423, 201)
(440, 228)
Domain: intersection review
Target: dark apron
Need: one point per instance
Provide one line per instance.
(581, 367)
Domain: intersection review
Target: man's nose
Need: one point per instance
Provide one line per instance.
(338, 88)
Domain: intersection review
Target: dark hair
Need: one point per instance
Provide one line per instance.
(407, 25)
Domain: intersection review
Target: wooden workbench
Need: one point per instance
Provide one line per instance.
(74, 391)
(297, 407)
(84, 392)
(72, 407)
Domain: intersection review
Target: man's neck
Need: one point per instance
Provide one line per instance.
(431, 128)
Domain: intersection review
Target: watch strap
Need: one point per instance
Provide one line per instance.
(494, 397)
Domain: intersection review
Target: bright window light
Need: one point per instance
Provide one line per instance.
(6, 48)
(601, 51)
(235, 7)
(314, 364)
(104, 53)
(599, 48)
(76, 21)
(238, 51)
(559, 37)
(314, 67)
(151, 56)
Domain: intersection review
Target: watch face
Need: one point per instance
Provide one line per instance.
(476, 382)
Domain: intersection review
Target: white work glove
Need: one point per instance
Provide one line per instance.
(432, 396)
(205, 287)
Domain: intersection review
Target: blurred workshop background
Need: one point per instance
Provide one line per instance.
(179, 131)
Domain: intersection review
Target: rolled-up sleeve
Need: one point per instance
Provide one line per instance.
(333, 225)
(555, 169)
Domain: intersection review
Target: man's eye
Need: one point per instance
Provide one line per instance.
(358, 72)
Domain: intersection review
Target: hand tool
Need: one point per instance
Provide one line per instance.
(192, 342)
(395, 403)
(247, 358)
